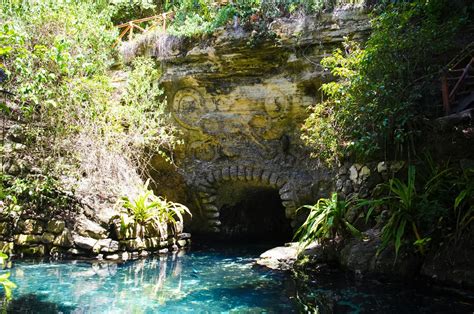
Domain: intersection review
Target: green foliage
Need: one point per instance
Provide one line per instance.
(326, 220)
(57, 62)
(196, 17)
(464, 202)
(141, 102)
(58, 55)
(123, 11)
(383, 88)
(411, 204)
(38, 193)
(6, 283)
(149, 208)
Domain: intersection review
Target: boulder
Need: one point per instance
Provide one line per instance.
(382, 167)
(155, 243)
(65, 239)
(360, 256)
(112, 257)
(84, 242)
(106, 246)
(152, 230)
(55, 226)
(451, 262)
(34, 250)
(133, 244)
(131, 231)
(125, 256)
(88, 228)
(364, 173)
(27, 239)
(30, 226)
(184, 236)
(182, 243)
(281, 257)
(6, 247)
(5, 228)
(353, 174)
(74, 251)
(396, 166)
(47, 238)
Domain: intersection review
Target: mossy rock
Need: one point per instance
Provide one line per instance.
(5, 228)
(47, 238)
(65, 239)
(27, 239)
(56, 226)
(155, 243)
(6, 247)
(132, 244)
(30, 226)
(35, 250)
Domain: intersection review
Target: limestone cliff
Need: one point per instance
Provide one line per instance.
(240, 105)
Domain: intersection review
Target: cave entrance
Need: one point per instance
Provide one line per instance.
(253, 214)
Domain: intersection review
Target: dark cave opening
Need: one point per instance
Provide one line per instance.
(257, 215)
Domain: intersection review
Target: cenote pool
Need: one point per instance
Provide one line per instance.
(209, 280)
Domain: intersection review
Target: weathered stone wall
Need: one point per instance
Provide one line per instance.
(76, 235)
(240, 109)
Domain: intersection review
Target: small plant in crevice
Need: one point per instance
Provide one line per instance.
(148, 209)
(326, 220)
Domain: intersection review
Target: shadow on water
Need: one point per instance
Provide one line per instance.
(334, 291)
(33, 303)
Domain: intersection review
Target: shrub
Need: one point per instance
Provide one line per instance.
(42, 194)
(411, 205)
(57, 57)
(326, 220)
(146, 207)
(385, 86)
(6, 283)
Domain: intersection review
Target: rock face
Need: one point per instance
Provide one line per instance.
(240, 109)
(360, 257)
(81, 236)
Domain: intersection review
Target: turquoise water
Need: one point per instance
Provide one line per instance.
(204, 281)
(210, 281)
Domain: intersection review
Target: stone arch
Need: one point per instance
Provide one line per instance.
(207, 188)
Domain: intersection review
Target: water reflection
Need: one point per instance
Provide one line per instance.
(211, 280)
(205, 281)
